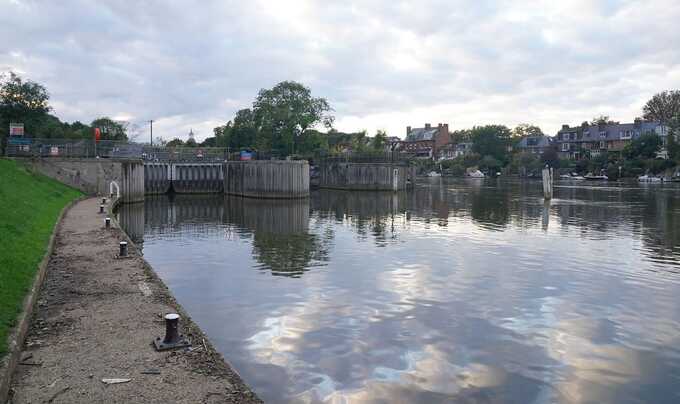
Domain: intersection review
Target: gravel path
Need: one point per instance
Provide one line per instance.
(96, 317)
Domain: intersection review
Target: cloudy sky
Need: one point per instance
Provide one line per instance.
(382, 64)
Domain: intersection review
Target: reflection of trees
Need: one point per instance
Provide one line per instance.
(369, 213)
(491, 207)
(281, 239)
(131, 219)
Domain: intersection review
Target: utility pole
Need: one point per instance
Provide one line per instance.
(151, 126)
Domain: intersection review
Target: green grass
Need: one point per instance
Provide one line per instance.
(29, 207)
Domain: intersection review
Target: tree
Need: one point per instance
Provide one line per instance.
(602, 120)
(646, 146)
(283, 113)
(176, 142)
(662, 107)
(673, 141)
(379, 140)
(110, 129)
(526, 130)
(23, 101)
(491, 140)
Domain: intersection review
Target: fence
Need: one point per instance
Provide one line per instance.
(87, 148)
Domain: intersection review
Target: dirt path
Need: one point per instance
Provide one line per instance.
(96, 317)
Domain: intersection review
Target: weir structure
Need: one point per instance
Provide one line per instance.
(386, 176)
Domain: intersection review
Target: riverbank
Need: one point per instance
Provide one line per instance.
(96, 317)
(29, 207)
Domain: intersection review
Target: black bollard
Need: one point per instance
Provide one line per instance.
(123, 249)
(107, 221)
(172, 338)
(104, 201)
(101, 208)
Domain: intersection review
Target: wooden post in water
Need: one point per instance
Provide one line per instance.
(547, 182)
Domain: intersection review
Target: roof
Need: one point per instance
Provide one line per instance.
(593, 133)
(417, 134)
(534, 141)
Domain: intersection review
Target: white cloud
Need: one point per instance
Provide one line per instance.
(381, 64)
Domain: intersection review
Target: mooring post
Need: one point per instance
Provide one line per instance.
(547, 182)
(104, 201)
(123, 249)
(101, 208)
(172, 338)
(107, 222)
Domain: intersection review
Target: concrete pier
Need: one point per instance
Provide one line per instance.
(267, 179)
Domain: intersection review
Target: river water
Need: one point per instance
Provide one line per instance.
(458, 291)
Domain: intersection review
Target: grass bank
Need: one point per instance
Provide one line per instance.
(29, 208)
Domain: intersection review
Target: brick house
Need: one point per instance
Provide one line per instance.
(426, 141)
(592, 140)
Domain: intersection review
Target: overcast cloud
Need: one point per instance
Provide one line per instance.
(382, 64)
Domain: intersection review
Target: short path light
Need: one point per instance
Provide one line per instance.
(123, 249)
(172, 339)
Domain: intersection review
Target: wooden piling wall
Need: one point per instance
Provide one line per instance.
(196, 178)
(364, 176)
(132, 182)
(267, 179)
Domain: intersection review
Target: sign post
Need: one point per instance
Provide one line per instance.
(16, 129)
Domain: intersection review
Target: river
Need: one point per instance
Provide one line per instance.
(473, 291)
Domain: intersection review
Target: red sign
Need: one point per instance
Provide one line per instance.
(97, 134)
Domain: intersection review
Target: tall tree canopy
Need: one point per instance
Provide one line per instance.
(645, 146)
(491, 140)
(23, 101)
(282, 114)
(663, 106)
(526, 129)
(110, 129)
(602, 120)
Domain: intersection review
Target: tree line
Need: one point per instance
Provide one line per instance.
(27, 102)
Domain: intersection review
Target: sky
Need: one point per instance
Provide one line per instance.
(382, 64)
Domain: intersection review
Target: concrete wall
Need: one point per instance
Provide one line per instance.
(267, 179)
(94, 176)
(364, 176)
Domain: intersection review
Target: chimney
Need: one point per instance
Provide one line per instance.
(427, 126)
(565, 127)
(408, 130)
(637, 124)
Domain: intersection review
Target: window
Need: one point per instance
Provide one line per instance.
(565, 146)
(626, 134)
(603, 144)
(603, 134)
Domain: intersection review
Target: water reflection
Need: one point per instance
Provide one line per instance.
(464, 291)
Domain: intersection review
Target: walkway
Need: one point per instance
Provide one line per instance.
(96, 317)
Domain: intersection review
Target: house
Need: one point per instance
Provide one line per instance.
(591, 140)
(534, 144)
(426, 141)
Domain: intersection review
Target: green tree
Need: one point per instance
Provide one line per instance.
(22, 101)
(663, 107)
(491, 140)
(602, 120)
(110, 129)
(379, 140)
(673, 140)
(646, 146)
(283, 114)
(526, 130)
(175, 142)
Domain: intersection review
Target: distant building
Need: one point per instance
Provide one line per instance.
(426, 141)
(592, 140)
(534, 144)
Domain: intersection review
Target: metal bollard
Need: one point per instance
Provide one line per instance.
(101, 208)
(123, 249)
(104, 201)
(107, 222)
(172, 338)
